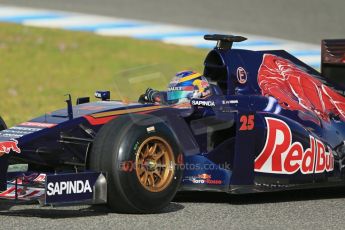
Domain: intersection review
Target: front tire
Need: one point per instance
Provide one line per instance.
(139, 154)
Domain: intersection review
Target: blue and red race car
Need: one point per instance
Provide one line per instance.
(271, 123)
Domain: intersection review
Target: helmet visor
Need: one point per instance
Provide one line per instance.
(178, 94)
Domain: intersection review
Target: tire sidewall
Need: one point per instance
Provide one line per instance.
(125, 153)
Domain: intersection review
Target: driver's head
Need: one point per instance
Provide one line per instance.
(187, 85)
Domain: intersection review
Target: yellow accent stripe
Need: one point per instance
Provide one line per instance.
(190, 77)
(125, 111)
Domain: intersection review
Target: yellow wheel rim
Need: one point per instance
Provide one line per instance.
(155, 164)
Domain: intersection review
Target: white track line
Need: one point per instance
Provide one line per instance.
(171, 34)
(78, 20)
(145, 30)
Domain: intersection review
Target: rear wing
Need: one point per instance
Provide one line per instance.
(333, 60)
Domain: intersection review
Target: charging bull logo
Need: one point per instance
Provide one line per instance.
(281, 156)
(7, 146)
(295, 89)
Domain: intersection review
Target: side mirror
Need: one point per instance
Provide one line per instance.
(104, 95)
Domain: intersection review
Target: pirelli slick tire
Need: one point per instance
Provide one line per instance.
(2, 124)
(141, 158)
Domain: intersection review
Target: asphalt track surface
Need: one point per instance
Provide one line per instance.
(308, 209)
(308, 21)
(301, 20)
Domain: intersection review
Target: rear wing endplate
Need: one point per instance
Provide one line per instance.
(333, 60)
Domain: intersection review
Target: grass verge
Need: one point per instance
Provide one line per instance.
(39, 66)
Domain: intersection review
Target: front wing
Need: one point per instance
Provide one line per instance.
(56, 189)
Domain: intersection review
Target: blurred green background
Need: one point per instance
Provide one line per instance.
(39, 66)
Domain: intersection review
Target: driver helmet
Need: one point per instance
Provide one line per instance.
(187, 85)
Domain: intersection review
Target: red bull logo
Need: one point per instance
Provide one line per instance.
(296, 89)
(7, 146)
(204, 176)
(282, 156)
(201, 85)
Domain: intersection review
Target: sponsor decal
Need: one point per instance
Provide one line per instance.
(241, 75)
(7, 146)
(297, 90)
(150, 129)
(204, 176)
(181, 88)
(203, 103)
(11, 135)
(24, 129)
(229, 102)
(201, 85)
(18, 131)
(247, 122)
(204, 179)
(174, 88)
(68, 187)
(201, 88)
(282, 156)
(38, 124)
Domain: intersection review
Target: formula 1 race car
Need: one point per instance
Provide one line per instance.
(271, 123)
